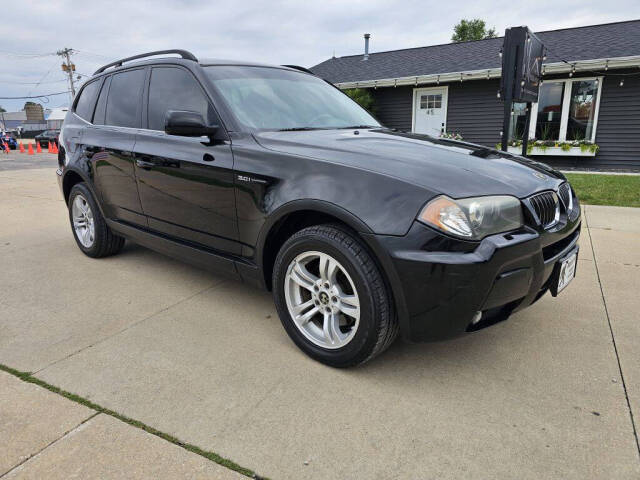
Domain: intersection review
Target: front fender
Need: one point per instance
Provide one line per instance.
(313, 205)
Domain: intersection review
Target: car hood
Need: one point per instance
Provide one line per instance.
(457, 169)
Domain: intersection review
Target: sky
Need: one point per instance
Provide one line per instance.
(281, 32)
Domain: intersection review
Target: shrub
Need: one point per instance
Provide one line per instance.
(363, 97)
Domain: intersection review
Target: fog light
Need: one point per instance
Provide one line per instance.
(476, 318)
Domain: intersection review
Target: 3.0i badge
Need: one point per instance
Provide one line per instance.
(244, 178)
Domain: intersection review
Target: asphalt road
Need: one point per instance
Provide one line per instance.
(548, 394)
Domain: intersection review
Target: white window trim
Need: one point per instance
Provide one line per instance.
(566, 101)
(564, 117)
(445, 104)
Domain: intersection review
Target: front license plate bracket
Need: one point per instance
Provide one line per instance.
(564, 272)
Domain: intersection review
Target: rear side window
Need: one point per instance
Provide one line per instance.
(123, 103)
(175, 89)
(87, 100)
(101, 106)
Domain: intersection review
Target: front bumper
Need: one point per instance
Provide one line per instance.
(440, 284)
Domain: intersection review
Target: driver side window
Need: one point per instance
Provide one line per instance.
(173, 88)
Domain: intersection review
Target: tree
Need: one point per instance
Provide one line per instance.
(2, 110)
(363, 97)
(468, 30)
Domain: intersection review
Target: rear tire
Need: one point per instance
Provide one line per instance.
(341, 319)
(89, 227)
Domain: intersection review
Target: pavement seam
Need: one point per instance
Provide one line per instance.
(148, 317)
(615, 347)
(209, 455)
(34, 455)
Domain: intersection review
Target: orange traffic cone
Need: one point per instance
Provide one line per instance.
(6, 147)
(38, 147)
(31, 149)
(54, 149)
(21, 148)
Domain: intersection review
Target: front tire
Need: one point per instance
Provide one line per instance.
(89, 227)
(331, 297)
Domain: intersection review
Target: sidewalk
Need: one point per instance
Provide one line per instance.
(44, 435)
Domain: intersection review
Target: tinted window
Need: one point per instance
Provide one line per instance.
(175, 89)
(101, 106)
(87, 100)
(124, 98)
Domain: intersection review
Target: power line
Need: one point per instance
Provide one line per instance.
(27, 55)
(32, 83)
(35, 96)
(42, 78)
(93, 54)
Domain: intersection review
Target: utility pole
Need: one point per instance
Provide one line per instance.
(68, 67)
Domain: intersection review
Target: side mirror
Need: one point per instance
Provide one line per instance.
(187, 124)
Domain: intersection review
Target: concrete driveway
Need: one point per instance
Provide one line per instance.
(551, 393)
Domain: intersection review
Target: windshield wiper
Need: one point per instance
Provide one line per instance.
(297, 129)
(302, 129)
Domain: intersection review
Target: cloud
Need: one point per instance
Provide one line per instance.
(292, 32)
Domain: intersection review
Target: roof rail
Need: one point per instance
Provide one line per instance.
(183, 53)
(298, 67)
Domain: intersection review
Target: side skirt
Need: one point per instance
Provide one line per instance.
(199, 257)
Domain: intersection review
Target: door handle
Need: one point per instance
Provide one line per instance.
(144, 164)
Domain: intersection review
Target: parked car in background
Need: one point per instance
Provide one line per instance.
(48, 136)
(270, 175)
(10, 140)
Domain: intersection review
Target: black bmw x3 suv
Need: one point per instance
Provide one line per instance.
(270, 175)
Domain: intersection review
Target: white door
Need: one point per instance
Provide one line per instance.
(430, 110)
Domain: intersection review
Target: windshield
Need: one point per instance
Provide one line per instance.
(264, 98)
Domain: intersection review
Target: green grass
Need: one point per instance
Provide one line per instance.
(617, 190)
(214, 457)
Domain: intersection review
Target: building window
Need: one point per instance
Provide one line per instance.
(584, 95)
(549, 111)
(567, 110)
(518, 121)
(431, 101)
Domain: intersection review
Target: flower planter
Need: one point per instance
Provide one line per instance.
(555, 152)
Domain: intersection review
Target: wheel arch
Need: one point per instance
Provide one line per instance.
(71, 177)
(295, 216)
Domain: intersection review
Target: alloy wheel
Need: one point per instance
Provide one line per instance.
(83, 223)
(322, 299)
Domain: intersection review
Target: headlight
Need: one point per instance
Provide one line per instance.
(473, 218)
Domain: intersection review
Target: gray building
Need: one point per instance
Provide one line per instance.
(28, 122)
(590, 93)
(12, 121)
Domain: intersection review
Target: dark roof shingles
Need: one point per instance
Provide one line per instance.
(582, 43)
